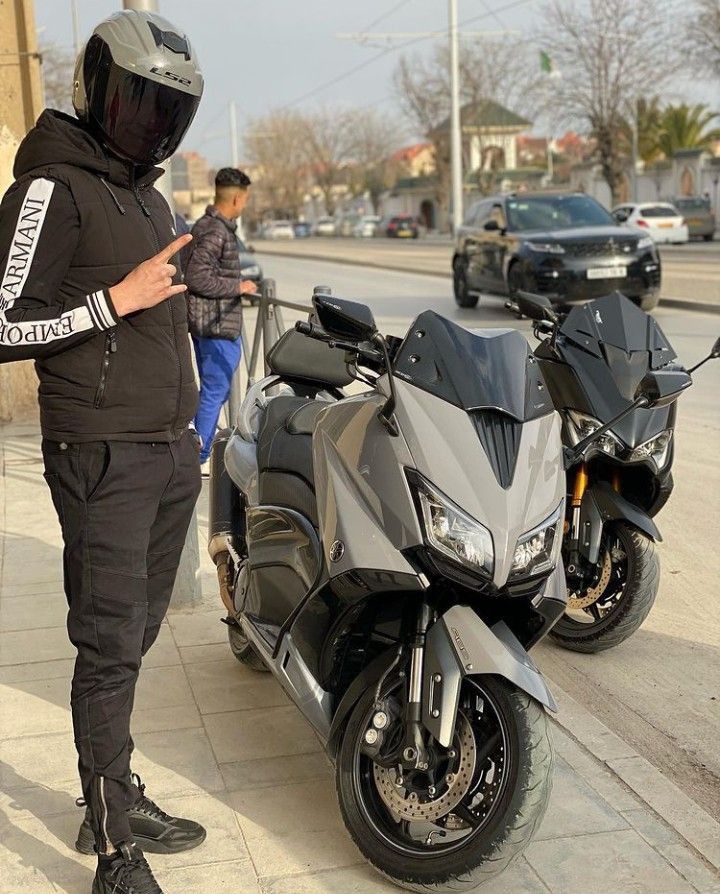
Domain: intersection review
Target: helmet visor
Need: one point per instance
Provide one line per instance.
(141, 119)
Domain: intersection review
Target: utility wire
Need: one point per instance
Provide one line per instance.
(386, 15)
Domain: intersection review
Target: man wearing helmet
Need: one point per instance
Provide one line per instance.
(89, 290)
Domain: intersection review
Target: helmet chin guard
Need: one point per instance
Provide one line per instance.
(137, 80)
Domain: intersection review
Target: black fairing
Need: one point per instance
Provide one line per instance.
(473, 370)
(603, 350)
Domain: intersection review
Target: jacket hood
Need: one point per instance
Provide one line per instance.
(58, 138)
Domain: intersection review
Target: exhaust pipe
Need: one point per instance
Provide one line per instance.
(226, 520)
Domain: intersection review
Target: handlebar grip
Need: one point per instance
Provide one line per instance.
(303, 328)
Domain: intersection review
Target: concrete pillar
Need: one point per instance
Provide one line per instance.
(20, 105)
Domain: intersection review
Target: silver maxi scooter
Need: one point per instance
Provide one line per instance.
(391, 556)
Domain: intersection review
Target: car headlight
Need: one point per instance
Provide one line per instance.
(454, 533)
(538, 550)
(580, 425)
(252, 270)
(656, 448)
(552, 248)
(645, 242)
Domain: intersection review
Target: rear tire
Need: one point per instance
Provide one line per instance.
(244, 650)
(463, 298)
(510, 826)
(641, 586)
(648, 302)
(708, 237)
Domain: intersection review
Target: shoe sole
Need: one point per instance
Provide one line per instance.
(86, 845)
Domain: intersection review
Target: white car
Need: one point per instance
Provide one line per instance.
(279, 229)
(325, 227)
(660, 220)
(365, 228)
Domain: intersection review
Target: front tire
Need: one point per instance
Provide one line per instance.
(516, 795)
(649, 302)
(463, 297)
(623, 605)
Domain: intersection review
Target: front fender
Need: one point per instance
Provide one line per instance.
(459, 645)
(602, 504)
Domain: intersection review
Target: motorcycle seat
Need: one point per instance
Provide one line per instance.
(296, 358)
(284, 451)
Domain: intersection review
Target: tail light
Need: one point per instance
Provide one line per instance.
(641, 223)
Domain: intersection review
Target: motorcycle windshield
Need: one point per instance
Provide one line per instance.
(610, 344)
(474, 370)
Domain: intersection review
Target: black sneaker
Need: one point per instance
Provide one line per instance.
(125, 872)
(153, 830)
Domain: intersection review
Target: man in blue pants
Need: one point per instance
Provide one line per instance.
(215, 287)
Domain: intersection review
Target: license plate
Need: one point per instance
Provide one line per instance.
(665, 225)
(618, 272)
(404, 232)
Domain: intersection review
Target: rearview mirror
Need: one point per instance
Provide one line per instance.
(621, 216)
(535, 307)
(491, 226)
(344, 319)
(662, 387)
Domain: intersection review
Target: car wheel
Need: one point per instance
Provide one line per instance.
(519, 281)
(648, 302)
(463, 298)
(708, 237)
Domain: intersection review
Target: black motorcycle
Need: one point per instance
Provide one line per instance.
(598, 361)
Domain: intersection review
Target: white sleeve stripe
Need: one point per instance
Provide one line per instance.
(104, 310)
(93, 312)
(25, 240)
(41, 332)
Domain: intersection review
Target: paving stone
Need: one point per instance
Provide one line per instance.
(211, 652)
(302, 852)
(594, 735)
(61, 668)
(272, 771)
(159, 687)
(621, 862)
(227, 685)
(34, 708)
(259, 733)
(198, 628)
(236, 877)
(152, 720)
(37, 760)
(176, 765)
(24, 614)
(163, 652)
(31, 646)
(575, 808)
(287, 809)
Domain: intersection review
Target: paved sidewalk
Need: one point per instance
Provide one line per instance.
(691, 274)
(223, 745)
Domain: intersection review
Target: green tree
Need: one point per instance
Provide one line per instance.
(686, 127)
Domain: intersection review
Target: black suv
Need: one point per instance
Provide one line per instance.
(563, 245)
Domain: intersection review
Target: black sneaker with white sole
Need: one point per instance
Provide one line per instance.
(125, 872)
(154, 831)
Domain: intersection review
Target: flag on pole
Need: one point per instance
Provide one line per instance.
(546, 64)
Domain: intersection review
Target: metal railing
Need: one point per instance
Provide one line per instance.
(269, 326)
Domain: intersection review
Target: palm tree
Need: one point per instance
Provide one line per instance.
(649, 124)
(686, 127)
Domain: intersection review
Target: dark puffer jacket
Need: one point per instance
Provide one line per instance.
(212, 275)
(74, 223)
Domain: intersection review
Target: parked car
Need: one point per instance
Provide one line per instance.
(660, 219)
(279, 229)
(564, 245)
(249, 266)
(325, 227)
(698, 215)
(366, 227)
(401, 226)
(347, 224)
(302, 229)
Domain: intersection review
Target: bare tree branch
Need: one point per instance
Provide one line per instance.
(703, 36)
(58, 68)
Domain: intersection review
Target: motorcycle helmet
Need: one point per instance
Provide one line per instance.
(138, 82)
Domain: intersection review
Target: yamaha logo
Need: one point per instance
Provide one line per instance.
(337, 551)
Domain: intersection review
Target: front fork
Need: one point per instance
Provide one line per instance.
(580, 485)
(414, 753)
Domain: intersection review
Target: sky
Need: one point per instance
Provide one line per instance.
(276, 53)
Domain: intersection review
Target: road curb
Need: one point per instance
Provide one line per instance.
(678, 303)
(694, 825)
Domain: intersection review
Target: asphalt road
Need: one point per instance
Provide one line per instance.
(660, 691)
(690, 272)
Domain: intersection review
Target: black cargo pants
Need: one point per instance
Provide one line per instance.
(124, 509)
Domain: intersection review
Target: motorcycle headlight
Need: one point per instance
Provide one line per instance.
(645, 242)
(580, 425)
(551, 248)
(454, 533)
(538, 550)
(657, 448)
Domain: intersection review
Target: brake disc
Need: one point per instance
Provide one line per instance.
(408, 805)
(592, 594)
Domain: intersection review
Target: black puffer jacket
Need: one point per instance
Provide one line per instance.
(212, 276)
(74, 223)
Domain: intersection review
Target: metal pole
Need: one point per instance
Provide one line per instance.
(455, 132)
(187, 591)
(634, 180)
(234, 152)
(76, 26)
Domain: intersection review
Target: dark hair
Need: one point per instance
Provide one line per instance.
(232, 177)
